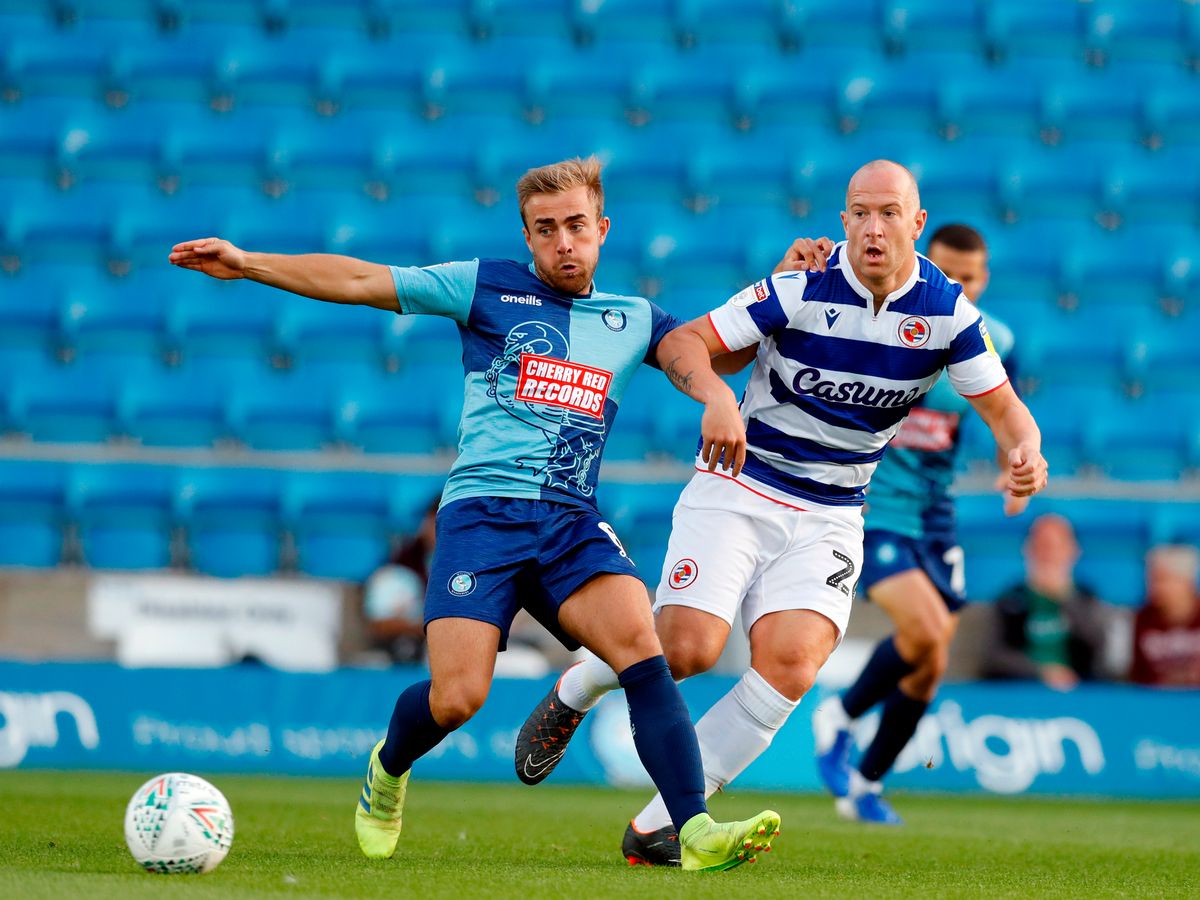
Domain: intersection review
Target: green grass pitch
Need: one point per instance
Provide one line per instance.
(61, 837)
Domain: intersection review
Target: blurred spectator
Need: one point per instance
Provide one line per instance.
(1166, 631)
(1048, 628)
(394, 598)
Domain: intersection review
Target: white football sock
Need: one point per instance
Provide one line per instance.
(738, 728)
(582, 685)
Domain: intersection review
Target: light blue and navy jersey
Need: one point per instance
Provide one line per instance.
(545, 373)
(910, 492)
(833, 379)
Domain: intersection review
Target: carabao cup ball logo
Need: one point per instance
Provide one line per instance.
(615, 320)
(461, 583)
(914, 331)
(683, 573)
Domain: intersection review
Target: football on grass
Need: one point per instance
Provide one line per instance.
(178, 824)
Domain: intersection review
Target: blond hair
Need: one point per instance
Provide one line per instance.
(559, 177)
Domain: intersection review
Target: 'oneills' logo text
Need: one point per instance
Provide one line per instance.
(567, 385)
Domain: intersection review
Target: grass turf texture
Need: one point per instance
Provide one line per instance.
(61, 836)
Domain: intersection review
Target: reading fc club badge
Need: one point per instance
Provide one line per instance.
(914, 331)
(615, 320)
(461, 583)
(683, 573)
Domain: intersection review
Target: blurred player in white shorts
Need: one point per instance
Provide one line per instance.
(842, 352)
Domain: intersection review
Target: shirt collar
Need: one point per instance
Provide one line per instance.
(863, 291)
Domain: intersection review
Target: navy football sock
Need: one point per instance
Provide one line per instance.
(901, 713)
(665, 738)
(878, 678)
(413, 731)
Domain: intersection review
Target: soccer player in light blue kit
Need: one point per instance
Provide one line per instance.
(912, 567)
(547, 359)
(842, 356)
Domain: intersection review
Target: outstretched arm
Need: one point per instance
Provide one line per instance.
(685, 356)
(322, 276)
(1018, 438)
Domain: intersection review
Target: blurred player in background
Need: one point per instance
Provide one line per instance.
(912, 565)
(843, 353)
(547, 359)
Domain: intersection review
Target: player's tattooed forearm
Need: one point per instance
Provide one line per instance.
(680, 380)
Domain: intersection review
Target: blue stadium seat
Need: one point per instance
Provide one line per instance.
(853, 24)
(32, 503)
(765, 91)
(51, 66)
(177, 408)
(1152, 189)
(1163, 353)
(1171, 114)
(63, 404)
(487, 77)
(308, 331)
(1119, 30)
(101, 317)
(282, 411)
(427, 160)
(283, 71)
(600, 87)
(317, 155)
(174, 67)
(753, 25)
(124, 515)
(547, 20)
(427, 340)
(224, 151)
(651, 21)
(1016, 29)
(924, 25)
(1089, 277)
(696, 86)
(1122, 445)
(630, 439)
(989, 102)
(739, 172)
(1050, 186)
(233, 520)
(222, 320)
(1094, 106)
(1081, 347)
(1176, 523)
(339, 521)
(900, 95)
(31, 134)
(405, 413)
(1063, 413)
(30, 316)
(418, 17)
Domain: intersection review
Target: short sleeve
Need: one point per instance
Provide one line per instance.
(974, 365)
(442, 290)
(758, 311)
(662, 323)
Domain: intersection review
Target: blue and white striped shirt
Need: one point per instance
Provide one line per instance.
(833, 380)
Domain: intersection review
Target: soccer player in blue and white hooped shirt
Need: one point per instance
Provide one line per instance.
(912, 566)
(842, 357)
(547, 359)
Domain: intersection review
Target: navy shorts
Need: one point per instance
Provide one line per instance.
(495, 555)
(887, 553)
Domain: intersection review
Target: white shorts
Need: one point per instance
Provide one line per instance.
(730, 546)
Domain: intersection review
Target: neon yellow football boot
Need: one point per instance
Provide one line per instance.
(377, 818)
(709, 846)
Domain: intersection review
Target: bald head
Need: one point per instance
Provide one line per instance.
(884, 176)
(883, 219)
